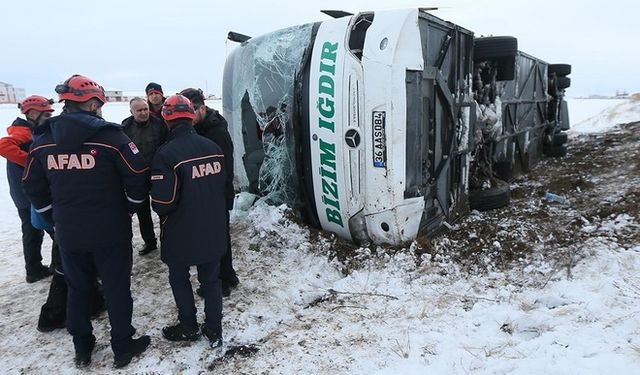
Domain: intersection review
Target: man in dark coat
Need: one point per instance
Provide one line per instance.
(148, 133)
(210, 124)
(37, 109)
(15, 147)
(187, 191)
(155, 98)
(86, 176)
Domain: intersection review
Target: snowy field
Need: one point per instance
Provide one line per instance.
(297, 312)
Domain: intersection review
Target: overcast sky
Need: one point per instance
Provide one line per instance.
(125, 44)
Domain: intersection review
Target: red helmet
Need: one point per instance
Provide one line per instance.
(177, 106)
(39, 103)
(80, 89)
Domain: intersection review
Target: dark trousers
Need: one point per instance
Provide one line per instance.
(114, 268)
(227, 273)
(183, 294)
(55, 308)
(146, 222)
(31, 242)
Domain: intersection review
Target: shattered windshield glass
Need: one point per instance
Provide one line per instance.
(259, 103)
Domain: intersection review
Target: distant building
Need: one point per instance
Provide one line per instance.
(10, 94)
(128, 95)
(622, 94)
(114, 95)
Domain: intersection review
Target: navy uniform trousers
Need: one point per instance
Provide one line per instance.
(31, 242)
(114, 269)
(211, 286)
(146, 222)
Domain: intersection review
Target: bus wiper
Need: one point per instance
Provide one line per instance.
(336, 13)
(237, 37)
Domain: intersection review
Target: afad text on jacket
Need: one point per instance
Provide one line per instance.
(90, 174)
(188, 191)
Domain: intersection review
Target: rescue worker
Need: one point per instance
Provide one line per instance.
(53, 312)
(148, 133)
(87, 177)
(210, 124)
(188, 192)
(15, 147)
(37, 109)
(155, 98)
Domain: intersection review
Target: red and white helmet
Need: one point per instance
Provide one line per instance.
(36, 102)
(80, 89)
(177, 106)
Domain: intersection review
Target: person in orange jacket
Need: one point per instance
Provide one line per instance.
(15, 147)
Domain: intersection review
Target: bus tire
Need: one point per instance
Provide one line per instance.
(563, 82)
(560, 70)
(489, 199)
(494, 47)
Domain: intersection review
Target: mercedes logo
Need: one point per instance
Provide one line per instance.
(352, 137)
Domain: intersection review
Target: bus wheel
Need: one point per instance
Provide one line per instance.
(563, 82)
(489, 199)
(560, 69)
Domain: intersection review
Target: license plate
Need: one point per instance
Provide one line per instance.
(379, 139)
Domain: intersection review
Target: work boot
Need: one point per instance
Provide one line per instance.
(147, 248)
(54, 311)
(214, 337)
(228, 284)
(83, 355)
(180, 333)
(39, 274)
(48, 322)
(226, 290)
(138, 346)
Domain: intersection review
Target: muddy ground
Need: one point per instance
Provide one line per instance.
(600, 178)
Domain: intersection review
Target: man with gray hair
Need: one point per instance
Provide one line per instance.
(148, 133)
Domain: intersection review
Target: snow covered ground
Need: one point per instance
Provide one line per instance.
(594, 115)
(301, 310)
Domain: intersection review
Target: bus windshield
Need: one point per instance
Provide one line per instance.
(259, 99)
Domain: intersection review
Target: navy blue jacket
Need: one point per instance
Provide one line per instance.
(215, 128)
(187, 191)
(91, 175)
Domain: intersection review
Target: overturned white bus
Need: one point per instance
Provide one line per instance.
(383, 125)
